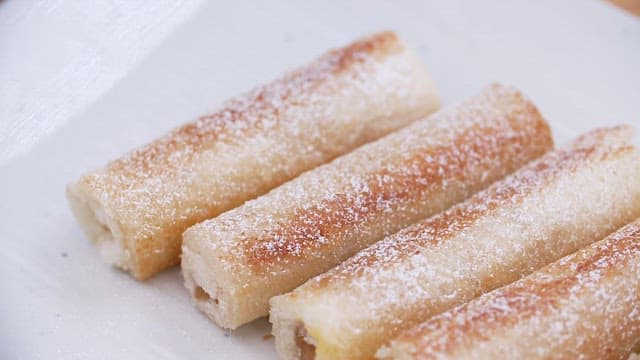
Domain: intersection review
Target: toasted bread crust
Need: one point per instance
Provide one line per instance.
(297, 122)
(331, 216)
(274, 243)
(573, 286)
(588, 148)
(543, 211)
(261, 104)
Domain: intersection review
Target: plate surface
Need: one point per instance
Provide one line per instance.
(578, 60)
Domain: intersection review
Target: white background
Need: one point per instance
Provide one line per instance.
(83, 82)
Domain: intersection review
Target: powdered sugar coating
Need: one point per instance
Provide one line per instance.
(304, 227)
(533, 217)
(382, 176)
(587, 305)
(591, 147)
(256, 141)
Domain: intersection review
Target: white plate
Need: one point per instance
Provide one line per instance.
(578, 60)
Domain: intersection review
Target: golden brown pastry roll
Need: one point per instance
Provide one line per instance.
(585, 306)
(136, 208)
(553, 206)
(235, 263)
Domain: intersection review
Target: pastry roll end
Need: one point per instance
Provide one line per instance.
(294, 339)
(99, 226)
(205, 284)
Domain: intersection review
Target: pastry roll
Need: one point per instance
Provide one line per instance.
(553, 206)
(235, 263)
(585, 306)
(136, 208)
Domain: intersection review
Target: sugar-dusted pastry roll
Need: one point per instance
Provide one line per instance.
(567, 199)
(585, 306)
(136, 208)
(235, 263)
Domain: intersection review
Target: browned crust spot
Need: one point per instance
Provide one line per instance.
(533, 296)
(441, 227)
(252, 109)
(446, 225)
(437, 229)
(310, 230)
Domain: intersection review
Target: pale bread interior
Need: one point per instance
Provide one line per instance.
(99, 227)
(208, 296)
(292, 339)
